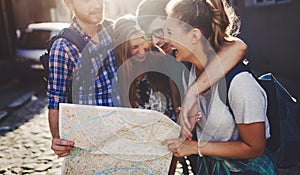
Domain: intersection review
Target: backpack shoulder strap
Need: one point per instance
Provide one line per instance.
(70, 35)
(74, 37)
(224, 87)
(108, 25)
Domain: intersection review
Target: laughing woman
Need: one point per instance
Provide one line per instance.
(231, 137)
(139, 85)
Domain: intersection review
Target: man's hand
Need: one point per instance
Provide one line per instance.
(61, 147)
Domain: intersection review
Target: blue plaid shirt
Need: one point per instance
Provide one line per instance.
(93, 86)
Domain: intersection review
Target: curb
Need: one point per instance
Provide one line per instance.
(3, 114)
(21, 100)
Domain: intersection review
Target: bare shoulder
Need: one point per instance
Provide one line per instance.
(234, 45)
(235, 41)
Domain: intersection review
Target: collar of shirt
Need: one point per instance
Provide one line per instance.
(104, 44)
(76, 26)
(104, 36)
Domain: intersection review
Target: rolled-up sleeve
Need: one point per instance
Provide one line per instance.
(61, 67)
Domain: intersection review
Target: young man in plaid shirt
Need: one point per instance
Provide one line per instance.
(65, 60)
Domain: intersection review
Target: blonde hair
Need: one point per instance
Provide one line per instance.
(215, 18)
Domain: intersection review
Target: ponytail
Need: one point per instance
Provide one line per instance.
(215, 18)
(223, 20)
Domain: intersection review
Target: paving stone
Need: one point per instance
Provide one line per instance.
(46, 158)
(43, 167)
(27, 171)
(2, 170)
(2, 155)
(2, 148)
(16, 170)
(39, 173)
(53, 172)
(29, 166)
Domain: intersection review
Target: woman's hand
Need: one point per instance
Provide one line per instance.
(189, 113)
(181, 147)
(61, 147)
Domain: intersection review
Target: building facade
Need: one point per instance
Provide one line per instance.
(7, 41)
(271, 29)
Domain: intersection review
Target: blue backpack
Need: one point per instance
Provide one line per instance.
(284, 143)
(70, 35)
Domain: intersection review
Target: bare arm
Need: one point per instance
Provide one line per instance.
(175, 96)
(53, 122)
(60, 147)
(229, 55)
(252, 144)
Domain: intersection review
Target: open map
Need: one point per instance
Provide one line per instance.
(111, 140)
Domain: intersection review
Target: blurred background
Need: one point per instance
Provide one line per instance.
(269, 27)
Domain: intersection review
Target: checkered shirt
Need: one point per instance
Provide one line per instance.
(66, 63)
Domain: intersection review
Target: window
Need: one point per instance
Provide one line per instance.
(35, 39)
(282, 1)
(268, 2)
(264, 2)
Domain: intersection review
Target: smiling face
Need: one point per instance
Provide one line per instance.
(188, 41)
(156, 30)
(179, 39)
(138, 46)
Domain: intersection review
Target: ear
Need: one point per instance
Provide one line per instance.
(196, 35)
(69, 4)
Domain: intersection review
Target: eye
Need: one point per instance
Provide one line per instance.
(158, 33)
(134, 47)
(169, 32)
(147, 38)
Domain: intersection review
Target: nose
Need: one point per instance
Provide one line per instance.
(141, 49)
(165, 36)
(156, 41)
(166, 40)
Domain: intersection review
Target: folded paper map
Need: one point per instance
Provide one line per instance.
(111, 140)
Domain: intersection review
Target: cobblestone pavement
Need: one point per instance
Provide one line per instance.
(26, 149)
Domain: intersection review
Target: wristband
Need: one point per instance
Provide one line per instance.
(199, 152)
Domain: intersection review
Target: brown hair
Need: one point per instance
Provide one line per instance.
(149, 10)
(124, 28)
(215, 18)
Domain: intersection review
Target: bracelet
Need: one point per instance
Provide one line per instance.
(199, 152)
